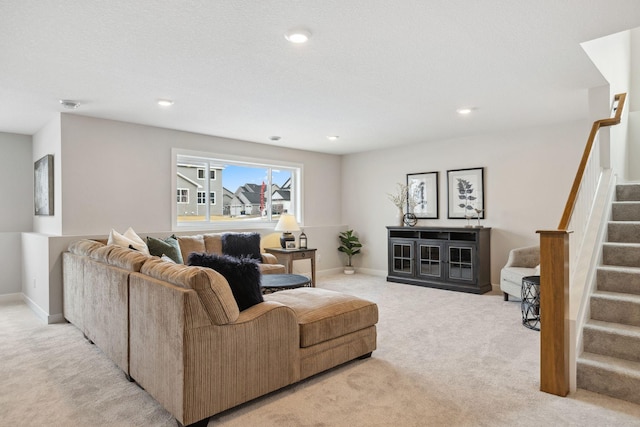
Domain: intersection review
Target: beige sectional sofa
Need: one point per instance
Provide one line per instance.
(177, 330)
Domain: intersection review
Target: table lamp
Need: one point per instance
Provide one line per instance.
(287, 223)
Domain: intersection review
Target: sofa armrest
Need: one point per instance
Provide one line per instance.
(524, 257)
(269, 258)
(196, 369)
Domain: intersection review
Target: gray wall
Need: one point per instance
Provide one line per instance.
(16, 208)
(528, 174)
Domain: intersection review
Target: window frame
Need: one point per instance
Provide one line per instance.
(297, 174)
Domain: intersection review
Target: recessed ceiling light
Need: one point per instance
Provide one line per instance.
(69, 104)
(165, 102)
(465, 110)
(333, 137)
(298, 35)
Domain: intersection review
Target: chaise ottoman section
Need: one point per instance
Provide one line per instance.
(334, 327)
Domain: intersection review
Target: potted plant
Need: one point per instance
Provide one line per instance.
(350, 245)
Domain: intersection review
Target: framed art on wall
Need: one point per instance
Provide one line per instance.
(422, 197)
(43, 185)
(465, 188)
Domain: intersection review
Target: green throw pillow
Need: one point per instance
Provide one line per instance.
(169, 247)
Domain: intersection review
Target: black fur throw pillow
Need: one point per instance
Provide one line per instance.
(242, 245)
(243, 275)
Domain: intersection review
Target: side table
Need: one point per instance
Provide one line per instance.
(530, 304)
(287, 256)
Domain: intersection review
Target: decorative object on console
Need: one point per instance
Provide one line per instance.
(410, 219)
(287, 223)
(350, 245)
(478, 212)
(422, 195)
(243, 275)
(465, 193)
(43, 185)
(303, 241)
(399, 199)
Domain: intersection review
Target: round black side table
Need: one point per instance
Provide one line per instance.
(530, 304)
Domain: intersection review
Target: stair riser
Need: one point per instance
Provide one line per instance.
(608, 382)
(630, 192)
(611, 344)
(625, 212)
(618, 281)
(615, 311)
(623, 232)
(624, 256)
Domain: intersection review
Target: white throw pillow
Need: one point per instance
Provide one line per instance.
(536, 271)
(129, 238)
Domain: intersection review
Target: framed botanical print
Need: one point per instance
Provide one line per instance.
(422, 197)
(465, 188)
(43, 186)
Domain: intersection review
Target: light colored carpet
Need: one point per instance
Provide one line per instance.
(443, 359)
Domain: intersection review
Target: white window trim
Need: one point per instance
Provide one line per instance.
(249, 161)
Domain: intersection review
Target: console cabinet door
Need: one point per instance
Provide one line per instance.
(430, 260)
(461, 262)
(401, 257)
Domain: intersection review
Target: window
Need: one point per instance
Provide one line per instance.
(201, 173)
(238, 192)
(202, 197)
(183, 195)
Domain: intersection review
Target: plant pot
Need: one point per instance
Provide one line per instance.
(349, 270)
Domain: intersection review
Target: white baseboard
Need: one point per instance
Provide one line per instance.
(40, 313)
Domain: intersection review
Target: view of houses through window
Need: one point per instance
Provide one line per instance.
(234, 191)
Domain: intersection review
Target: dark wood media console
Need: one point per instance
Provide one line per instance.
(453, 258)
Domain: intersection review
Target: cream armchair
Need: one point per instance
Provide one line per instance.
(522, 262)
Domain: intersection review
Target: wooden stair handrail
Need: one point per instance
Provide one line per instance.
(554, 280)
(573, 195)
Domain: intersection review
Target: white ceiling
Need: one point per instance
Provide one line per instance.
(378, 73)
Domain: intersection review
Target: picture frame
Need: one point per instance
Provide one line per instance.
(465, 188)
(43, 186)
(290, 245)
(424, 187)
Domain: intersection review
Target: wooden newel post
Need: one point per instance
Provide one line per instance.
(554, 312)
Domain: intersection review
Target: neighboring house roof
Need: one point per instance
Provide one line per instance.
(189, 180)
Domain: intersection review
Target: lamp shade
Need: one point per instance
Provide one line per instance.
(287, 222)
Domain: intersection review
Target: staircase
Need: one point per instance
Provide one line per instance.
(610, 363)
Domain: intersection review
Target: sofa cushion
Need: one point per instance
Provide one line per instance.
(127, 259)
(242, 245)
(84, 247)
(242, 274)
(212, 288)
(169, 247)
(213, 243)
(129, 238)
(324, 315)
(189, 244)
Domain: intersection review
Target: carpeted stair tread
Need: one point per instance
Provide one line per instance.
(615, 307)
(612, 339)
(622, 254)
(630, 191)
(618, 279)
(623, 231)
(625, 211)
(610, 376)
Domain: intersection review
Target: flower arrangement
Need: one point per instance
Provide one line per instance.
(403, 197)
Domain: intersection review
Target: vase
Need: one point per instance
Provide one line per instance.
(400, 218)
